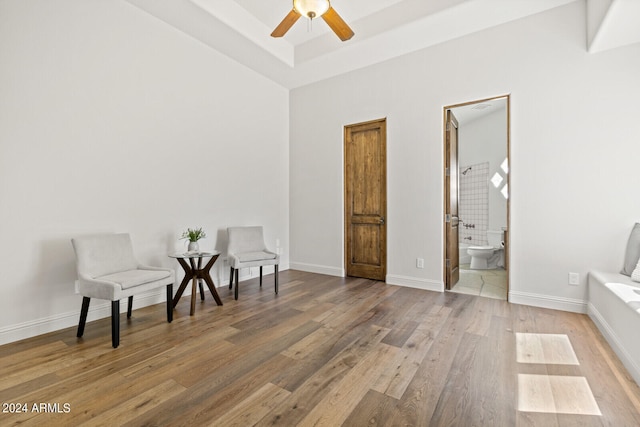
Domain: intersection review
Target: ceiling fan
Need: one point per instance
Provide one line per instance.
(312, 9)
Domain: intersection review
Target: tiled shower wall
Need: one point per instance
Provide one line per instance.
(473, 204)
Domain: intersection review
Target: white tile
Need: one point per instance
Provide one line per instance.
(556, 394)
(468, 290)
(550, 349)
(495, 292)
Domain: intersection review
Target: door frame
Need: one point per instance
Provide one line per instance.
(452, 272)
(507, 242)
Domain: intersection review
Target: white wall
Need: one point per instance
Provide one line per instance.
(111, 120)
(485, 140)
(574, 150)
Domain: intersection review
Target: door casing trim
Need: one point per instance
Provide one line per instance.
(444, 180)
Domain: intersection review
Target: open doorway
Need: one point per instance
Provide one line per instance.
(477, 189)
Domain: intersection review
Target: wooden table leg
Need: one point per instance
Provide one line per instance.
(196, 274)
(206, 275)
(188, 275)
(212, 288)
(200, 281)
(194, 286)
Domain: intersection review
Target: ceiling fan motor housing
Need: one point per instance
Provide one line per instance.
(311, 8)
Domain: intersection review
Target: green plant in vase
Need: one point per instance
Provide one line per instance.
(193, 235)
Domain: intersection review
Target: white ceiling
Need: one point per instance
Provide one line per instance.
(612, 23)
(466, 114)
(383, 29)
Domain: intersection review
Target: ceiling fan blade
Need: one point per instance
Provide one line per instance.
(286, 23)
(337, 24)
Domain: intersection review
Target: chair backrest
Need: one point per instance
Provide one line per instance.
(245, 239)
(103, 254)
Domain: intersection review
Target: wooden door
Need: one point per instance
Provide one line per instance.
(365, 154)
(452, 258)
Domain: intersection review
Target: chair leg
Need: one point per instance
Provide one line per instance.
(170, 303)
(231, 279)
(276, 278)
(260, 276)
(115, 323)
(83, 315)
(237, 283)
(129, 306)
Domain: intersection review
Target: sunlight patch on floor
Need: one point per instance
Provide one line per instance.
(552, 349)
(556, 394)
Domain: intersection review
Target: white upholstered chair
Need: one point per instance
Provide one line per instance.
(108, 269)
(247, 249)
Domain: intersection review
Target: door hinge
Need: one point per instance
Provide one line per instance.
(447, 172)
(448, 126)
(447, 218)
(448, 262)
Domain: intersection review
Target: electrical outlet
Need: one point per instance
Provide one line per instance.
(419, 263)
(574, 279)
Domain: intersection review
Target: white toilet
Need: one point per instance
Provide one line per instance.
(490, 256)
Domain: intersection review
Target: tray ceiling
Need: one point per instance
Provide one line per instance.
(383, 29)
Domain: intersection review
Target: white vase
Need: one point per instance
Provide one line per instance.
(193, 247)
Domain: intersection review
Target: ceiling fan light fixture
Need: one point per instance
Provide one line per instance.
(311, 8)
(314, 9)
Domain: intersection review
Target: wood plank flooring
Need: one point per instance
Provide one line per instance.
(326, 351)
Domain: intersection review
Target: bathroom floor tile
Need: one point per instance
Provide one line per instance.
(467, 290)
(494, 272)
(556, 394)
(491, 291)
(486, 283)
(499, 281)
(470, 281)
(550, 349)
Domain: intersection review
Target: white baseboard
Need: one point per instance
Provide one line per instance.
(615, 342)
(220, 275)
(319, 269)
(548, 301)
(412, 282)
(98, 309)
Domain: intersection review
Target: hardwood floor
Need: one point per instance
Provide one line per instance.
(325, 351)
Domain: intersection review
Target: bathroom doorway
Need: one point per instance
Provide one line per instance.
(476, 255)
